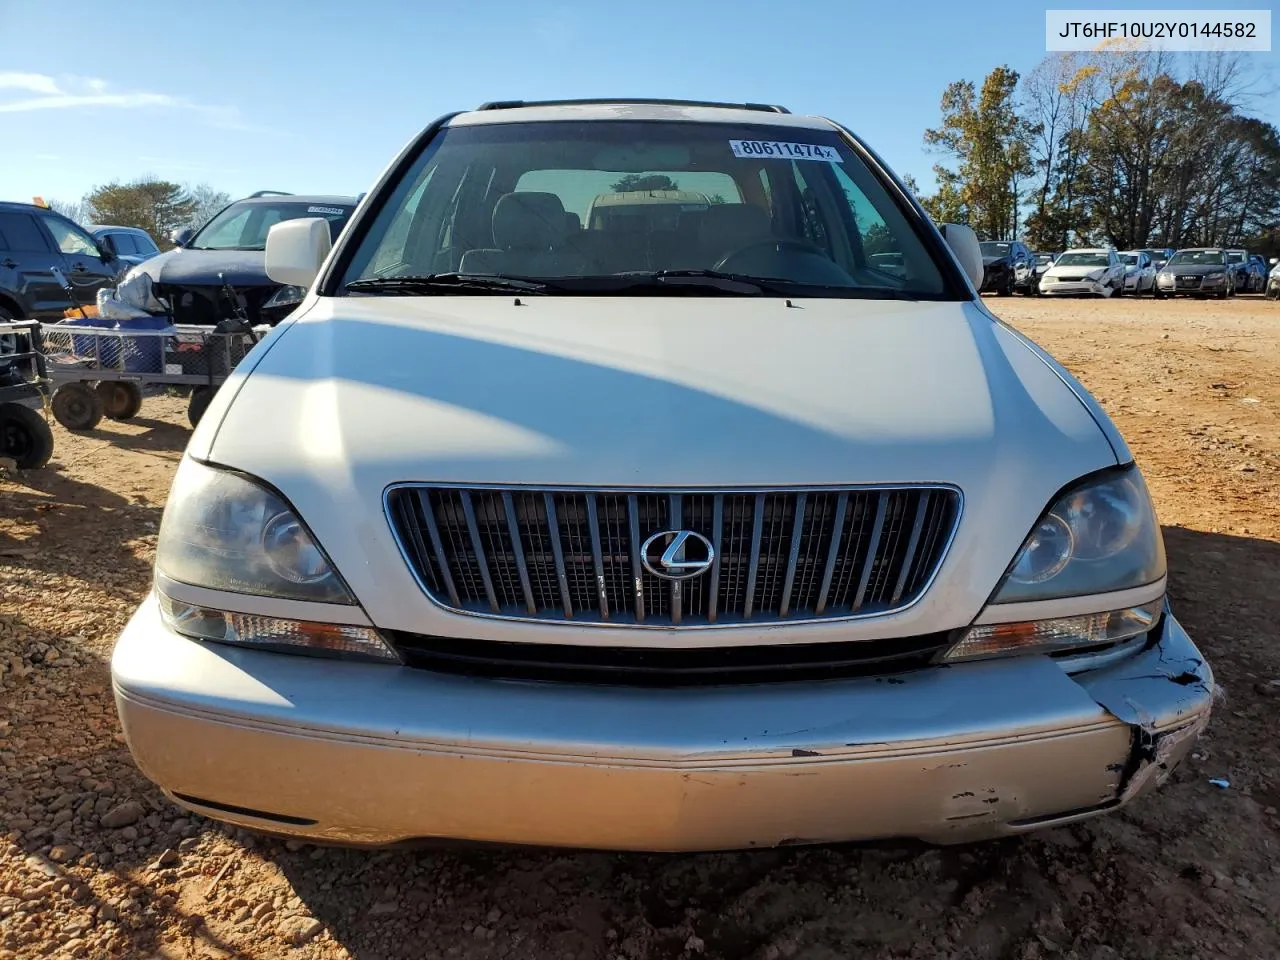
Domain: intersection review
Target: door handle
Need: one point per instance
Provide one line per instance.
(79, 268)
(9, 264)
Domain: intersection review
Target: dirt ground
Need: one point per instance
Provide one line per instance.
(95, 863)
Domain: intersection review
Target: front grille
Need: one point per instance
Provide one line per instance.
(1188, 283)
(206, 305)
(575, 555)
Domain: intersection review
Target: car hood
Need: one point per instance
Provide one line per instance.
(187, 267)
(1194, 269)
(1064, 270)
(988, 261)
(355, 394)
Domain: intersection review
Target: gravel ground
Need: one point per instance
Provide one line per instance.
(95, 863)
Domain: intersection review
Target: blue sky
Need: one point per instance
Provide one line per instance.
(318, 96)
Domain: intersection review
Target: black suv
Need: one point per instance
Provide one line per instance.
(1007, 265)
(229, 252)
(33, 242)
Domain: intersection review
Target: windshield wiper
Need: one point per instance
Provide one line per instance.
(705, 281)
(409, 286)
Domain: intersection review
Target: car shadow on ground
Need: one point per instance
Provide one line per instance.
(983, 900)
(64, 526)
(155, 436)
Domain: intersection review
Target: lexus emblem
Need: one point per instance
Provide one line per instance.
(677, 554)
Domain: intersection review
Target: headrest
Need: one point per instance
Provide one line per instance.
(529, 220)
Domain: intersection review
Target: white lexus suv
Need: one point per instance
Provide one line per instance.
(689, 526)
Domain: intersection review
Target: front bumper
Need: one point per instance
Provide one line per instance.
(355, 753)
(1073, 288)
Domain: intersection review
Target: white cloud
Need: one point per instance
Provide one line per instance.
(31, 82)
(64, 93)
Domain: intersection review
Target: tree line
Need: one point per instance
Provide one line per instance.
(1123, 148)
(156, 206)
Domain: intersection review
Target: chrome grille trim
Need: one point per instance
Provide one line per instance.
(781, 556)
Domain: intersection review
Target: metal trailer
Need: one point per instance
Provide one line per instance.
(101, 371)
(25, 437)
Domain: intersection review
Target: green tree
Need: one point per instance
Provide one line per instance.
(644, 181)
(156, 206)
(988, 141)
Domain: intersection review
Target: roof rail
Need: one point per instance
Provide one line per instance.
(513, 104)
(269, 193)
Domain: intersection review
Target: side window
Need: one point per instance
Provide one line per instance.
(20, 233)
(393, 248)
(144, 244)
(70, 238)
(877, 238)
(124, 242)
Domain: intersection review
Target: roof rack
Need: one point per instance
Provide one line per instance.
(513, 104)
(269, 193)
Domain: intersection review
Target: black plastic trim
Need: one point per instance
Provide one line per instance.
(682, 666)
(246, 811)
(645, 101)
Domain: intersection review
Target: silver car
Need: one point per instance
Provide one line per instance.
(698, 534)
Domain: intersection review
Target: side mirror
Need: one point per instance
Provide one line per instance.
(296, 249)
(107, 247)
(964, 244)
(181, 237)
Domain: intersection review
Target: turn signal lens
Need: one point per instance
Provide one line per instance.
(273, 633)
(1057, 635)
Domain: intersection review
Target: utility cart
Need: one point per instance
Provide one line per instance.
(103, 371)
(25, 437)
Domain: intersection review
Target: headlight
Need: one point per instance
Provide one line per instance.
(1215, 276)
(285, 297)
(1099, 537)
(224, 531)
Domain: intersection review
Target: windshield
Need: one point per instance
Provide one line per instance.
(600, 206)
(1044, 259)
(1235, 256)
(993, 249)
(1211, 257)
(244, 226)
(1130, 259)
(1083, 260)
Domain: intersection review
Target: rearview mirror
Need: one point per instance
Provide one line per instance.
(182, 236)
(964, 244)
(296, 249)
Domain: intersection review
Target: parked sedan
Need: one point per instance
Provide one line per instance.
(1273, 280)
(1159, 255)
(1043, 262)
(1257, 274)
(132, 245)
(1196, 270)
(1139, 272)
(1092, 271)
(1238, 262)
(1007, 265)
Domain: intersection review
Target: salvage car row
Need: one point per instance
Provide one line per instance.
(1009, 266)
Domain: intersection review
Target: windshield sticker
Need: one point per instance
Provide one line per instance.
(753, 149)
(331, 211)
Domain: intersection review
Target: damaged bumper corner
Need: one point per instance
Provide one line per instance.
(1165, 694)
